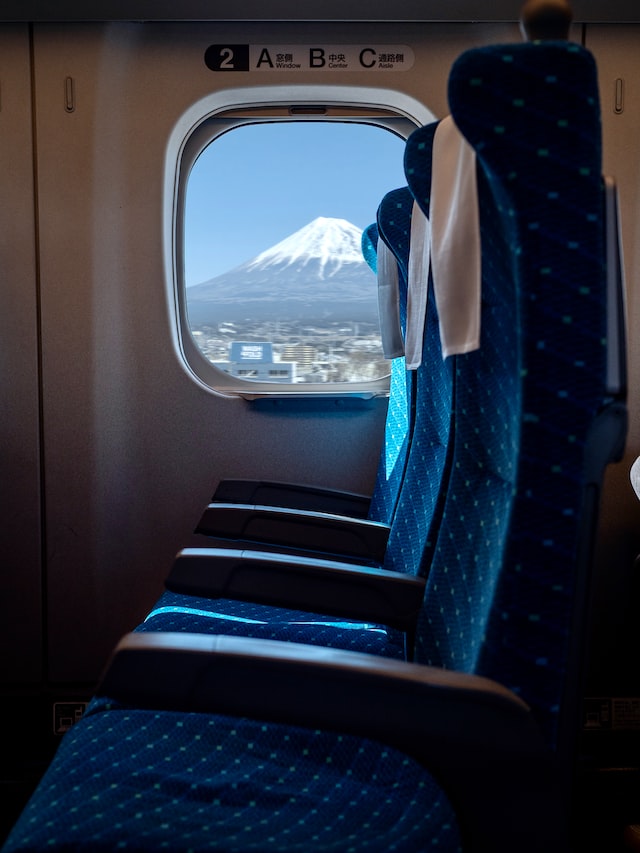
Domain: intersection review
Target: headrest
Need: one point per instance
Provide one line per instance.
(394, 224)
(369, 245)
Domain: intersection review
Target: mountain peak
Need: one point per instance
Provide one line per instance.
(317, 274)
(326, 242)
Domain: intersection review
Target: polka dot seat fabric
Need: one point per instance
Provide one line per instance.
(400, 410)
(519, 585)
(141, 780)
(194, 614)
(419, 508)
(503, 590)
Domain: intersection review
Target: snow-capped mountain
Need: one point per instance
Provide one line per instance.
(316, 273)
(326, 244)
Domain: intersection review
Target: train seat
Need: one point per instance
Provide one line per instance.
(226, 590)
(216, 742)
(200, 583)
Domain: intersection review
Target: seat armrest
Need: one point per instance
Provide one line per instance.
(303, 583)
(477, 738)
(298, 529)
(292, 496)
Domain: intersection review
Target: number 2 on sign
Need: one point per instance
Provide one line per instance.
(227, 57)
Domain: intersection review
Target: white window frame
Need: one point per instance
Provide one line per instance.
(219, 113)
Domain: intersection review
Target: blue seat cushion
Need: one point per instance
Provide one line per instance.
(140, 780)
(176, 612)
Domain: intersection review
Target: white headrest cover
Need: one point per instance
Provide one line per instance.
(389, 302)
(451, 245)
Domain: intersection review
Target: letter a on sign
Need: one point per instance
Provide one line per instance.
(264, 57)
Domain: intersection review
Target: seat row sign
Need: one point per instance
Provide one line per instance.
(273, 58)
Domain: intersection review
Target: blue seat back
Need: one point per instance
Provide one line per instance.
(400, 412)
(420, 502)
(398, 424)
(509, 579)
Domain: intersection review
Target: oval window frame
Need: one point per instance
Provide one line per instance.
(220, 113)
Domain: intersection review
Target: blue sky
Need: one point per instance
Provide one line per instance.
(257, 184)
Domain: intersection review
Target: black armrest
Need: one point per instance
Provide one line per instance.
(293, 496)
(477, 738)
(310, 531)
(304, 583)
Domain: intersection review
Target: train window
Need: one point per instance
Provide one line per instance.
(274, 294)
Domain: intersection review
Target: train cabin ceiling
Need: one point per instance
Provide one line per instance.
(585, 11)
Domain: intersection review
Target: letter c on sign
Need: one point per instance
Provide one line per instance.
(367, 64)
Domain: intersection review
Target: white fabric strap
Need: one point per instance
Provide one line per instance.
(635, 477)
(389, 302)
(417, 287)
(455, 240)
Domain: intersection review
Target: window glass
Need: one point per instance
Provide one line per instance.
(277, 289)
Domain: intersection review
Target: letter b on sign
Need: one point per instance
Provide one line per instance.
(316, 57)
